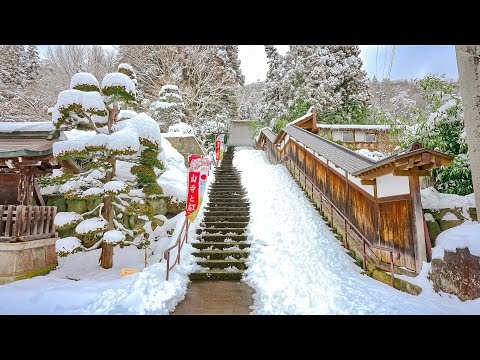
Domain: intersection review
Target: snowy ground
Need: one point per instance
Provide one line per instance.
(297, 266)
(79, 286)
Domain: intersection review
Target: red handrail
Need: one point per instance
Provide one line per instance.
(365, 241)
(179, 243)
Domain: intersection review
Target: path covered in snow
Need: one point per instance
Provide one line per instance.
(297, 266)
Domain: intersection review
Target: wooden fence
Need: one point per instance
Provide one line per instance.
(26, 222)
(385, 222)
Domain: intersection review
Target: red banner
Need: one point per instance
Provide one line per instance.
(218, 144)
(192, 193)
(193, 157)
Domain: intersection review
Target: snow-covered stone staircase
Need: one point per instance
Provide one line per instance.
(222, 246)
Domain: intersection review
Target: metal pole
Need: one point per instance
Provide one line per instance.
(168, 264)
(364, 256)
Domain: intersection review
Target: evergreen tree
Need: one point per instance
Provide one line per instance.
(12, 70)
(32, 63)
(118, 138)
(169, 109)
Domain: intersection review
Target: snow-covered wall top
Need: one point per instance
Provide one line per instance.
(8, 127)
(362, 127)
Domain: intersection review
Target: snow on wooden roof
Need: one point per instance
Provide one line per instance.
(29, 126)
(337, 154)
(353, 127)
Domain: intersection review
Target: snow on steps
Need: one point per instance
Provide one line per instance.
(222, 245)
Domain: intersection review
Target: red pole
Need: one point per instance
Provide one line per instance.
(392, 271)
(168, 264)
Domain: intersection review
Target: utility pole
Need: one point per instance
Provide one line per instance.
(468, 62)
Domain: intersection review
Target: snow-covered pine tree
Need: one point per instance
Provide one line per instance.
(129, 138)
(12, 72)
(169, 109)
(272, 91)
(32, 63)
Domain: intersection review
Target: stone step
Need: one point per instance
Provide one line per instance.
(228, 202)
(219, 205)
(222, 254)
(217, 275)
(219, 231)
(222, 264)
(226, 193)
(222, 237)
(227, 218)
(219, 245)
(226, 213)
(236, 208)
(223, 224)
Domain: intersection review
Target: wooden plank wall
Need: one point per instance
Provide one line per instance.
(384, 223)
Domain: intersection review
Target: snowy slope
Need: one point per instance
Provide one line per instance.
(80, 286)
(297, 266)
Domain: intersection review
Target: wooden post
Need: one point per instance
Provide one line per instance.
(417, 220)
(37, 195)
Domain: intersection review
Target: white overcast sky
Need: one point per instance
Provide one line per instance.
(409, 61)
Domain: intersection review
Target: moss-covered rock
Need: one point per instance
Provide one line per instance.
(78, 206)
(135, 222)
(433, 230)
(400, 284)
(473, 213)
(57, 201)
(175, 207)
(93, 203)
(159, 205)
(156, 223)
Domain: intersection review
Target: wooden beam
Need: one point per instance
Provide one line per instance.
(411, 173)
(37, 194)
(417, 221)
(368, 182)
(428, 166)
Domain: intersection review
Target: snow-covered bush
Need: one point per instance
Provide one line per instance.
(439, 125)
(181, 128)
(115, 136)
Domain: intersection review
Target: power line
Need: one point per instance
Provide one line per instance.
(384, 62)
(391, 61)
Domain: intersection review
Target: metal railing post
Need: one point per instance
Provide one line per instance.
(364, 256)
(392, 270)
(168, 264)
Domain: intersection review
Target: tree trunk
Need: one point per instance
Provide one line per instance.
(468, 62)
(106, 258)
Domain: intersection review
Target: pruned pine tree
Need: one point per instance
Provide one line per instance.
(169, 109)
(116, 137)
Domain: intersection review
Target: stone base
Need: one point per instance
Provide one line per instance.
(22, 260)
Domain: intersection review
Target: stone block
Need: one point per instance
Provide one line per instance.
(78, 206)
(458, 273)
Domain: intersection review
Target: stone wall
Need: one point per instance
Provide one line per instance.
(163, 205)
(186, 145)
(439, 220)
(22, 260)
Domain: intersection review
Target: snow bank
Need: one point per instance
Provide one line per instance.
(174, 180)
(466, 235)
(432, 199)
